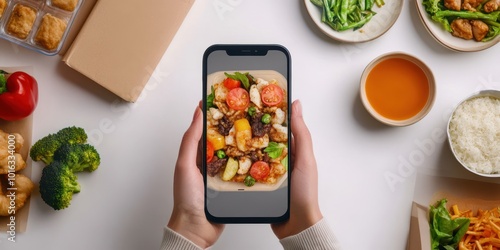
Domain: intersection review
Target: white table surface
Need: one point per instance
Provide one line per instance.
(127, 202)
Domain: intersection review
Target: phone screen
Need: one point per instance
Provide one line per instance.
(246, 139)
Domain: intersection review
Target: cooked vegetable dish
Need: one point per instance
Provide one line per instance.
(342, 15)
(466, 19)
(247, 130)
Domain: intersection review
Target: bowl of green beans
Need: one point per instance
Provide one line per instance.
(354, 21)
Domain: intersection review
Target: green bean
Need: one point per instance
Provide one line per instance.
(328, 12)
(343, 15)
(344, 7)
(468, 14)
(369, 4)
(362, 4)
(318, 3)
(357, 24)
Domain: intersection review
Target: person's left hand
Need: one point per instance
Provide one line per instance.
(188, 215)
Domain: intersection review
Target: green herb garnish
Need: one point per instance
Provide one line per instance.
(274, 149)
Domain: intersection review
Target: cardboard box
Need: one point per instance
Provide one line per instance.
(120, 44)
(83, 12)
(467, 194)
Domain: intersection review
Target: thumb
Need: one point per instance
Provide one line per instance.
(302, 137)
(189, 145)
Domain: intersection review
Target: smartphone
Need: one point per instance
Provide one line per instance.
(246, 133)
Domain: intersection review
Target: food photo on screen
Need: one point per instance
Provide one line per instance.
(247, 134)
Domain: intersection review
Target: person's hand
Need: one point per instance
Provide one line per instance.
(304, 206)
(188, 215)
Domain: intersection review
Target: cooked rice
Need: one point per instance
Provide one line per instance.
(475, 134)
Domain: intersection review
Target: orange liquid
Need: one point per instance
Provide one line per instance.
(397, 88)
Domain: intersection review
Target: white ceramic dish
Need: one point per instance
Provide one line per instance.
(216, 183)
(430, 80)
(447, 39)
(384, 19)
(492, 93)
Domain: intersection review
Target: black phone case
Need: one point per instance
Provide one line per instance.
(244, 50)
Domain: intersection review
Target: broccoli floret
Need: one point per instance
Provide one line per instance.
(58, 184)
(79, 157)
(44, 149)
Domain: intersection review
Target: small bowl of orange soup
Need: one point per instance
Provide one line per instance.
(397, 89)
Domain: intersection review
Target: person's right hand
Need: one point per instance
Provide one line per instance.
(304, 205)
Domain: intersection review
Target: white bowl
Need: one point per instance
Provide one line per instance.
(430, 80)
(484, 93)
(384, 19)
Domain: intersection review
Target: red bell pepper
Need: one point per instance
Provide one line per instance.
(18, 95)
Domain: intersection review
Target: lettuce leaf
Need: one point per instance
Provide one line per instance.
(445, 232)
(432, 6)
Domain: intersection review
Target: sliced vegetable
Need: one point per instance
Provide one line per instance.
(242, 125)
(231, 169)
(231, 83)
(210, 151)
(260, 170)
(238, 99)
(249, 181)
(218, 141)
(243, 133)
(240, 77)
(274, 149)
(272, 95)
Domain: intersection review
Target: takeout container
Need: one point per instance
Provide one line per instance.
(401, 90)
(116, 44)
(467, 194)
(484, 93)
(40, 9)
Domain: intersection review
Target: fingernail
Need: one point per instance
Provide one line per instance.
(298, 108)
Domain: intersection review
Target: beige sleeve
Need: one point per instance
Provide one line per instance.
(174, 241)
(317, 237)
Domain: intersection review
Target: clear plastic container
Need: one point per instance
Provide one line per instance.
(41, 25)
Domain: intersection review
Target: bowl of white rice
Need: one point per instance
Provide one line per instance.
(474, 133)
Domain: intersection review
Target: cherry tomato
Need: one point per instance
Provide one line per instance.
(238, 99)
(259, 170)
(272, 95)
(210, 151)
(230, 83)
